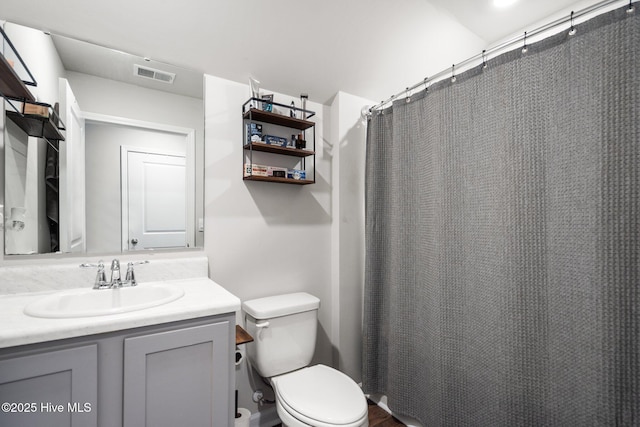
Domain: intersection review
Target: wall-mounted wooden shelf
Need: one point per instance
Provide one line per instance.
(277, 119)
(35, 125)
(242, 336)
(278, 180)
(10, 84)
(305, 130)
(287, 151)
(12, 87)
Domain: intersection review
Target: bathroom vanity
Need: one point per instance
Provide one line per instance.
(163, 366)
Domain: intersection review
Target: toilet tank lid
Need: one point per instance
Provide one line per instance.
(280, 305)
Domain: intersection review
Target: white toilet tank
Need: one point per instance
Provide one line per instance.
(284, 331)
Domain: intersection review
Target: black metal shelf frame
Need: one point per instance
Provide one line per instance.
(252, 114)
(13, 89)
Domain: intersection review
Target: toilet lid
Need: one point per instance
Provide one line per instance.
(322, 394)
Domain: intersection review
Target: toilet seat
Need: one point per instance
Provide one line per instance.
(321, 396)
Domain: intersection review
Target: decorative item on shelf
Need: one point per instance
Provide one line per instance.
(254, 132)
(300, 142)
(276, 172)
(254, 170)
(261, 170)
(267, 105)
(35, 109)
(292, 111)
(296, 174)
(275, 140)
(255, 92)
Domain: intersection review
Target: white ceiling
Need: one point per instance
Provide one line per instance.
(493, 24)
(370, 48)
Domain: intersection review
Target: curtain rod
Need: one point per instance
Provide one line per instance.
(483, 56)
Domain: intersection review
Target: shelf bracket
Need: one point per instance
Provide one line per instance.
(16, 109)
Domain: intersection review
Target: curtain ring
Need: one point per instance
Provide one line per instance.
(484, 59)
(407, 99)
(631, 7)
(525, 48)
(426, 84)
(572, 30)
(453, 73)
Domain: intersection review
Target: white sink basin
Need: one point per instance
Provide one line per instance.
(91, 302)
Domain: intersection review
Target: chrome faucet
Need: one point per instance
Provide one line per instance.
(116, 278)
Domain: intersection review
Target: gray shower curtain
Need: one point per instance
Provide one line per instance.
(502, 231)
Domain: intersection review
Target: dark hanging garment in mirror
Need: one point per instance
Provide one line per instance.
(52, 196)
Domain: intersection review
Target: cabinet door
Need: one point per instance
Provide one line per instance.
(179, 378)
(50, 389)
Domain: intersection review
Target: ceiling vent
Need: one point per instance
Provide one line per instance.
(153, 74)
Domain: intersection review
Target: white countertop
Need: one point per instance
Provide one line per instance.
(203, 297)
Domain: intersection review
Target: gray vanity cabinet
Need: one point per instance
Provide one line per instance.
(178, 378)
(172, 374)
(50, 389)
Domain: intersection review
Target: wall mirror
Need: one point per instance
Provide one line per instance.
(128, 175)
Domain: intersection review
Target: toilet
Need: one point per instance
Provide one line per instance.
(284, 331)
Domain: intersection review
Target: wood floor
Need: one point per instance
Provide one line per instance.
(378, 417)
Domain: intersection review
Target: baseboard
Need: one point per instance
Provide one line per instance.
(267, 417)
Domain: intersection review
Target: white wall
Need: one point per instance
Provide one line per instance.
(348, 136)
(109, 97)
(103, 204)
(264, 238)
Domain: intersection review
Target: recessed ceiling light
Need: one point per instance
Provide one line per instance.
(503, 3)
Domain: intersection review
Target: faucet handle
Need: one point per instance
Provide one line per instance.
(130, 278)
(88, 265)
(101, 277)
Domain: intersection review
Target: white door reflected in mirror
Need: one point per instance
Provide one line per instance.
(155, 209)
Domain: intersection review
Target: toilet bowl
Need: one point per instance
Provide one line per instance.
(284, 330)
(319, 396)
